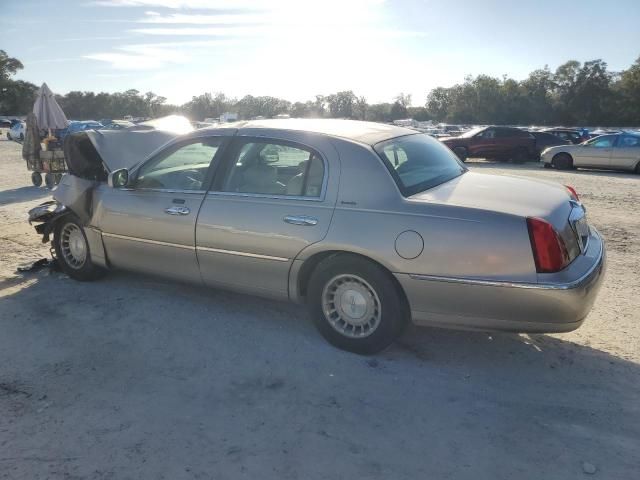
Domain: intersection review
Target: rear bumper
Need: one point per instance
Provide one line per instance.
(472, 304)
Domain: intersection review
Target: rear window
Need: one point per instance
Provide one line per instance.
(419, 162)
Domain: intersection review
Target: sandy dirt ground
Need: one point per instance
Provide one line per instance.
(132, 377)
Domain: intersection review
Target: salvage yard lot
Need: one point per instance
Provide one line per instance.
(135, 377)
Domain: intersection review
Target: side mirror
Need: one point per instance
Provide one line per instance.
(118, 178)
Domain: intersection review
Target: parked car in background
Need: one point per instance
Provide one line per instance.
(79, 126)
(574, 136)
(198, 125)
(116, 124)
(501, 143)
(17, 131)
(619, 151)
(370, 225)
(545, 140)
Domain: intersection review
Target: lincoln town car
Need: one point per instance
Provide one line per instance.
(372, 226)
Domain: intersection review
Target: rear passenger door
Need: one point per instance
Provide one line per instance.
(626, 152)
(274, 196)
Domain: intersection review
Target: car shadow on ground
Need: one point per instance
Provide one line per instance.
(242, 383)
(23, 194)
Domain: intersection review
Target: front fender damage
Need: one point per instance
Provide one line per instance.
(45, 216)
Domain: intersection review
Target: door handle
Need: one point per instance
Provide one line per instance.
(177, 210)
(301, 220)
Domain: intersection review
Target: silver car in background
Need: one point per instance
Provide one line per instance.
(370, 225)
(618, 151)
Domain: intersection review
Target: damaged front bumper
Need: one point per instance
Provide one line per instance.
(45, 215)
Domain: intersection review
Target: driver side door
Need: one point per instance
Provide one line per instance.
(483, 144)
(596, 152)
(149, 226)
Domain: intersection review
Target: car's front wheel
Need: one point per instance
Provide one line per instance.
(562, 161)
(355, 304)
(72, 250)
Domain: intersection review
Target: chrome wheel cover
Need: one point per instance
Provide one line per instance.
(351, 306)
(73, 246)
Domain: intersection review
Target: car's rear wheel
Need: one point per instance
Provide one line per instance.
(355, 304)
(520, 155)
(562, 161)
(36, 179)
(72, 250)
(461, 153)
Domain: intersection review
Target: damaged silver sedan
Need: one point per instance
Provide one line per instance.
(370, 225)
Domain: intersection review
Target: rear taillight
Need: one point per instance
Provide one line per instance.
(549, 251)
(573, 193)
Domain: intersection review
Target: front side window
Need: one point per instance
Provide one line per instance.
(606, 141)
(183, 168)
(419, 162)
(272, 168)
(488, 133)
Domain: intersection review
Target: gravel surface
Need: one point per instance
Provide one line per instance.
(133, 377)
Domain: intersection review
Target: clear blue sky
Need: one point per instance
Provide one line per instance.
(298, 48)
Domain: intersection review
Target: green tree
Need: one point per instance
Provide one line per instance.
(341, 104)
(16, 96)
(8, 65)
(627, 92)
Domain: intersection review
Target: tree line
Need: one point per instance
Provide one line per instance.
(574, 94)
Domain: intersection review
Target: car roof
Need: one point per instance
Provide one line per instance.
(368, 133)
(561, 129)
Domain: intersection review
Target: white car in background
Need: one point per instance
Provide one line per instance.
(618, 151)
(17, 132)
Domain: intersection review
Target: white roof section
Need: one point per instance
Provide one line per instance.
(364, 132)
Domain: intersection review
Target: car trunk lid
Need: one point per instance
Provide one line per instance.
(516, 196)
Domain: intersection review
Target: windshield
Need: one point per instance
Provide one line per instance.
(419, 162)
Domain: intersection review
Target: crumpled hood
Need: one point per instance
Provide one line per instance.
(125, 148)
(506, 194)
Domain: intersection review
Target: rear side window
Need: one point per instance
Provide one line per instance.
(627, 141)
(418, 162)
(511, 133)
(271, 168)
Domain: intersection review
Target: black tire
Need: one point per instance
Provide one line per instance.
(84, 271)
(391, 313)
(638, 168)
(562, 161)
(520, 155)
(49, 180)
(546, 165)
(21, 137)
(461, 153)
(36, 179)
